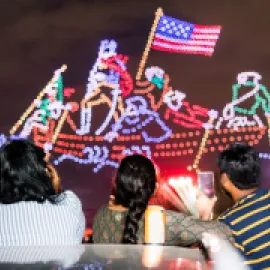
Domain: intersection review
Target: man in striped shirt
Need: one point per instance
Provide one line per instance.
(249, 218)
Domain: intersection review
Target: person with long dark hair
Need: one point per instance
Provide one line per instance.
(135, 184)
(122, 221)
(32, 210)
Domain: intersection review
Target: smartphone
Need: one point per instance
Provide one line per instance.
(206, 183)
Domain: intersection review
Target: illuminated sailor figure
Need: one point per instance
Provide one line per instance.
(237, 113)
(138, 119)
(174, 99)
(155, 75)
(108, 72)
(154, 87)
(50, 107)
(184, 114)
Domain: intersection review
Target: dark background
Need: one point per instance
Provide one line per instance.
(39, 36)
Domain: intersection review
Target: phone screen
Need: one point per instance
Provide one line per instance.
(206, 183)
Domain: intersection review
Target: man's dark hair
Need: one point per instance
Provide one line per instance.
(23, 174)
(241, 164)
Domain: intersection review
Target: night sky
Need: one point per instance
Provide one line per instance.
(37, 37)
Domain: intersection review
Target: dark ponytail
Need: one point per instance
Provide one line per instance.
(135, 184)
(134, 215)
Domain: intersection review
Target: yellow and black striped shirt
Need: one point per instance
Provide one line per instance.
(249, 221)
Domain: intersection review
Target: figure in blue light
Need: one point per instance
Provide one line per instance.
(136, 119)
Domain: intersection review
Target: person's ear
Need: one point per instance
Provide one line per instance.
(156, 188)
(54, 176)
(225, 181)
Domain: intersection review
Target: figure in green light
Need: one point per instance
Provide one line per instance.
(259, 93)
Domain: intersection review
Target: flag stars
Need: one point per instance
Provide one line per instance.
(164, 21)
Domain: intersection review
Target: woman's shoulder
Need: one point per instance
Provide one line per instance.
(109, 213)
(110, 210)
(69, 198)
(171, 213)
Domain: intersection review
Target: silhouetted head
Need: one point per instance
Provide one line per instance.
(134, 185)
(239, 168)
(23, 174)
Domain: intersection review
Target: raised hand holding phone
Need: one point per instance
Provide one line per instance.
(206, 198)
(206, 183)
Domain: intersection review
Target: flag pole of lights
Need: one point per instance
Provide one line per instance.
(150, 39)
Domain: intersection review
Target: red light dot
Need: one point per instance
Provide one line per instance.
(220, 148)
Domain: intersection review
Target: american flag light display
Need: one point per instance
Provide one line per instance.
(177, 36)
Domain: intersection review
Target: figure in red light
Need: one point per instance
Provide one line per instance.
(117, 63)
